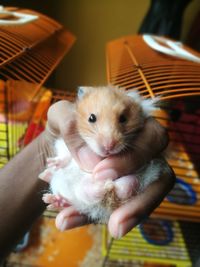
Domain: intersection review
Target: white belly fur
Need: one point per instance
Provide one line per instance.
(69, 182)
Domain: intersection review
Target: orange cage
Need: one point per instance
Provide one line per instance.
(132, 64)
(28, 55)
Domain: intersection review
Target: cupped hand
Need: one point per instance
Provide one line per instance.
(61, 123)
(123, 219)
(150, 142)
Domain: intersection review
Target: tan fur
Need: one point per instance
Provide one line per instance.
(108, 103)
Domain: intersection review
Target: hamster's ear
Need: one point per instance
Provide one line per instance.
(83, 90)
(148, 105)
(134, 95)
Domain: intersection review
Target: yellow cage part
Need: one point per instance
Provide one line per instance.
(133, 247)
(9, 139)
(29, 54)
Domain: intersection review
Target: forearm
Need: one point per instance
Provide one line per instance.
(20, 193)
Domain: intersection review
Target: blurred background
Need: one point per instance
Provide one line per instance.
(94, 23)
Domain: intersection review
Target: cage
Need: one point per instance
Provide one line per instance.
(32, 45)
(160, 67)
(154, 241)
(28, 57)
(173, 77)
(172, 243)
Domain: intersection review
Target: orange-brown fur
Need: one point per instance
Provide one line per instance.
(108, 103)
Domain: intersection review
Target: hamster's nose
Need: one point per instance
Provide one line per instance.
(109, 145)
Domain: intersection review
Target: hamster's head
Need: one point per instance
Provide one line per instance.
(108, 119)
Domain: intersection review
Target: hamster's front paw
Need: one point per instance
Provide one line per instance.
(55, 201)
(58, 162)
(53, 164)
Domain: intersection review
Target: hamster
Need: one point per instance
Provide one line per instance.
(108, 119)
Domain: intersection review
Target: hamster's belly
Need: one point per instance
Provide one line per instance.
(75, 186)
(68, 181)
(83, 192)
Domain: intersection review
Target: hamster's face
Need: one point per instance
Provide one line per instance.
(108, 121)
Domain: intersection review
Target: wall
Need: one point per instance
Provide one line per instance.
(94, 23)
(190, 13)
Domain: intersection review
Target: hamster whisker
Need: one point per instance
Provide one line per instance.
(125, 148)
(130, 137)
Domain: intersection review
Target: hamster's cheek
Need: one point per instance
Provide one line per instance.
(126, 186)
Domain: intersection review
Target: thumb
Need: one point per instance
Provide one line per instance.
(83, 155)
(62, 123)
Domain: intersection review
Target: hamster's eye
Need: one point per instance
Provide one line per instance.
(92, 118)
(122, 118)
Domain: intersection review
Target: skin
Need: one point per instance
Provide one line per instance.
(21, 193)
(129, 215)
(21, 190)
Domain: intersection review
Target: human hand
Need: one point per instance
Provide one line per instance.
(61, 123)
(127, 216)
(151, 141)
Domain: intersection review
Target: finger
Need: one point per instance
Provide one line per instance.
(70, 218)
(133, 212)
(84, 156)
(126, 186)
(62, 122)
(142, 152)
(114, 167)
(59, 115)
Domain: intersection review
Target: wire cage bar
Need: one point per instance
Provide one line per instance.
(133, 65)
(28, 55)
(180, 116)
(155, 242)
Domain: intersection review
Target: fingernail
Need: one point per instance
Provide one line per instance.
(125, 227)
(62, 226)
(106, 174)
(70, 222)
(87, 158)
